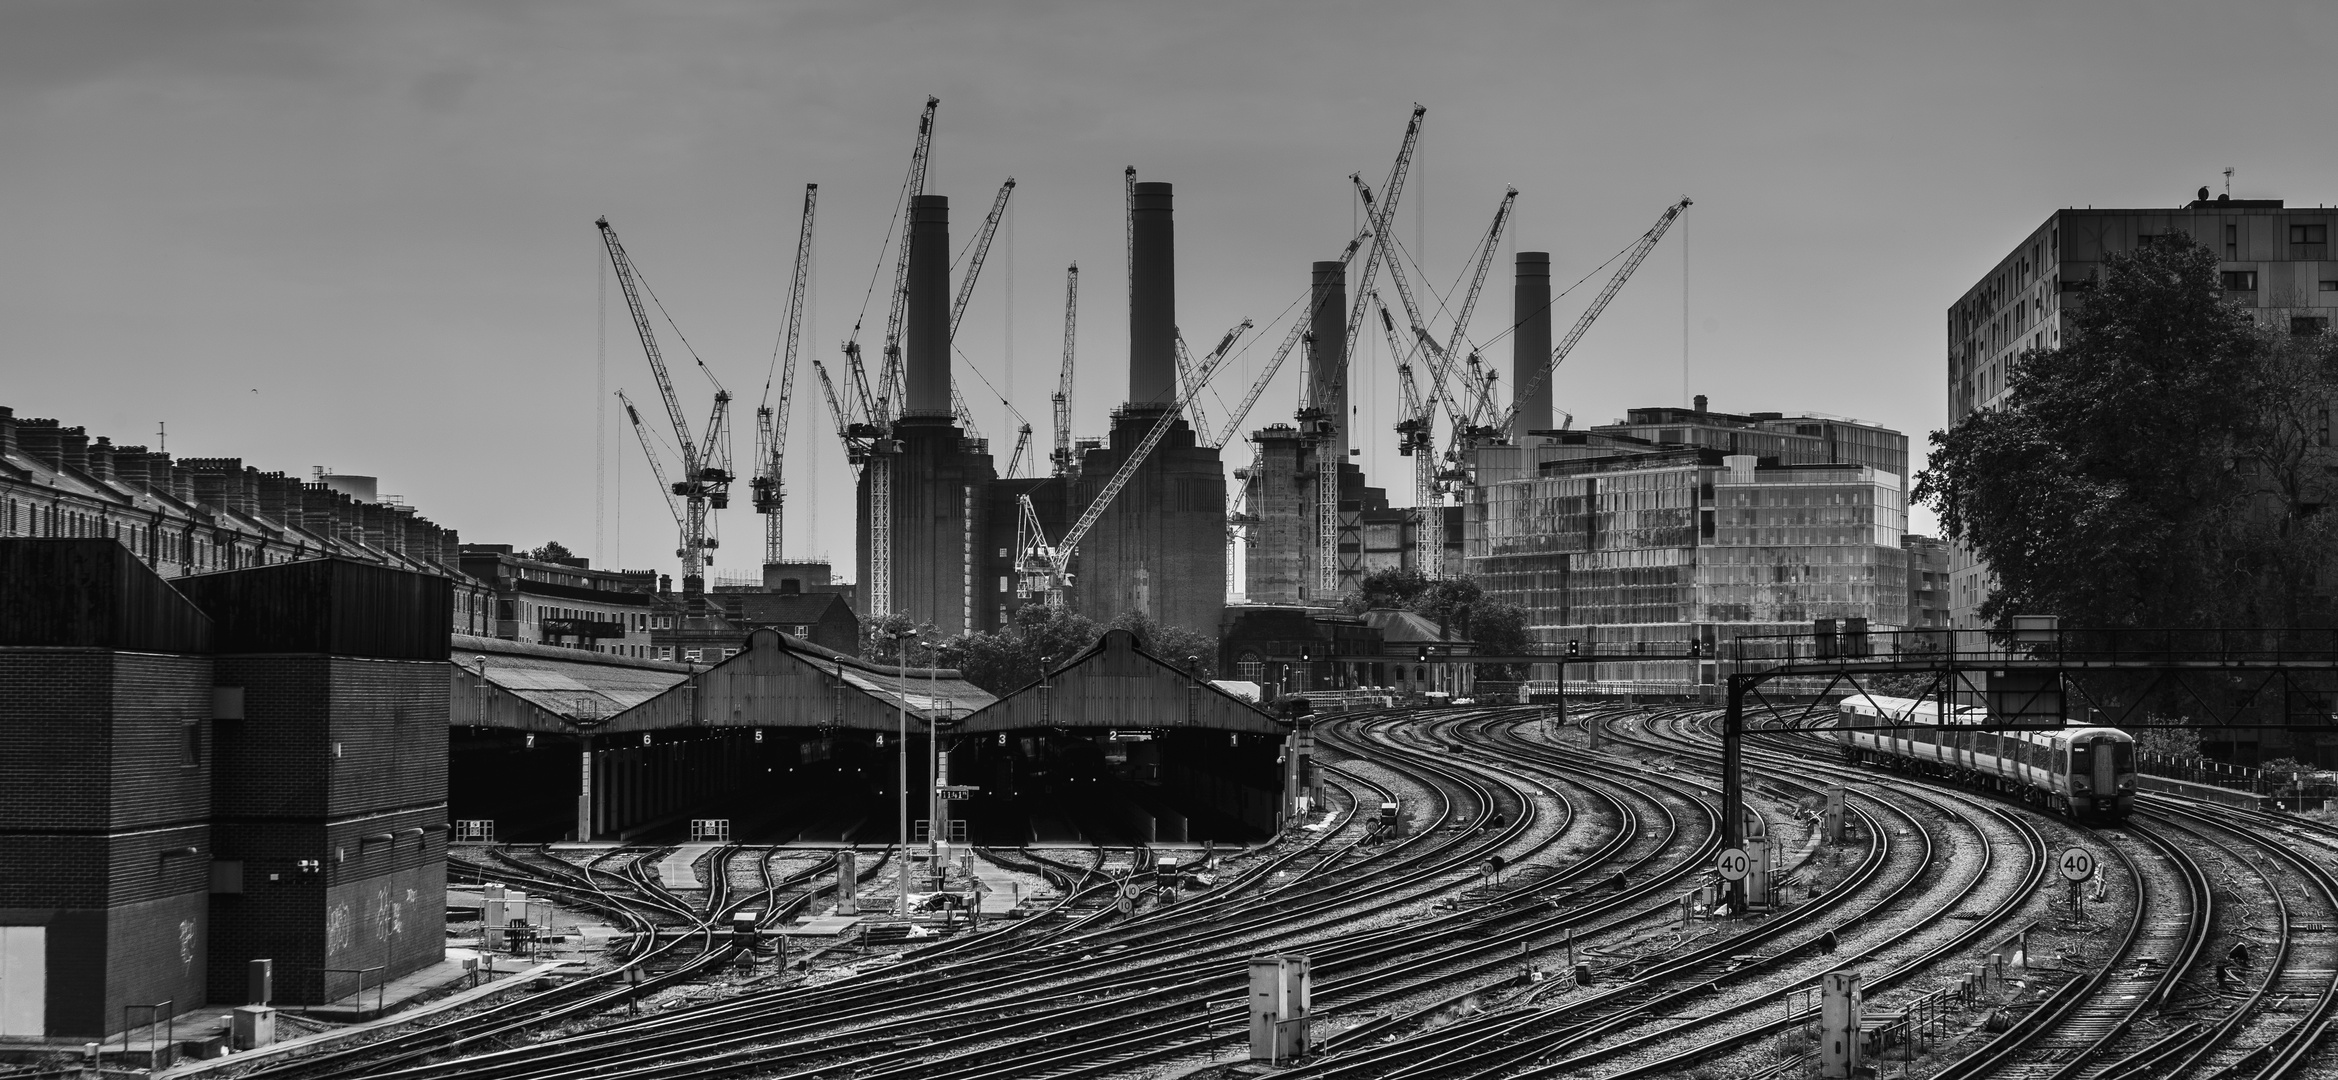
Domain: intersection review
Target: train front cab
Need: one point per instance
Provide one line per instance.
(2102, 774)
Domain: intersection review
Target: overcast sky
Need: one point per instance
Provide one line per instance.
(361, 235)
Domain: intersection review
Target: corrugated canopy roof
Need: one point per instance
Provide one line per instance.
(580, 688)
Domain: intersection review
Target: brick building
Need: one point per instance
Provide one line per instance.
(199, 772)
(564, 602)
(105, 789)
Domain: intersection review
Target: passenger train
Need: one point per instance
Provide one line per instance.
(2086, 772)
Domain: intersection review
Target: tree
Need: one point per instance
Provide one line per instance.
(552, 551)
(1499, 628)
(881, 644)
(1388, 589)
(1035, 638)
(1174, 644)
(2163, 467)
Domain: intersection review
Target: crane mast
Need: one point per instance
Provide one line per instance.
(1598, 303)
(1326, 428)
(1065, 463)
(706, 475)
(771, 421)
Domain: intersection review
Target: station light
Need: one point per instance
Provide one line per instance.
(1574, 647)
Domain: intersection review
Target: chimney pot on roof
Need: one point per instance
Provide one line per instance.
(1700, 404)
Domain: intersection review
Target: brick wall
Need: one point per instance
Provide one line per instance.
(104, 826)
(344, 761)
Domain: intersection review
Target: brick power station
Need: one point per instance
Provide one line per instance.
(1159, 547)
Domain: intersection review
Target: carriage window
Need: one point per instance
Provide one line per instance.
(1985, 743)
(1923, 735)
(2061, 760)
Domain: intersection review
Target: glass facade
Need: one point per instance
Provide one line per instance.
(1666, 548)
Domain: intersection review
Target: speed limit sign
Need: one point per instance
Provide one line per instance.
(1732, 864)
(2076, 864)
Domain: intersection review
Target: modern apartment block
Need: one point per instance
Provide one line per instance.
(2276, 261)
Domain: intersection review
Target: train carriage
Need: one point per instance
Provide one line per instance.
(2086, 772)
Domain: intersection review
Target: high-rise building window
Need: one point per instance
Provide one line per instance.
(2330, 286)
(2309, 325)
(2240, 280)
(2232, 241)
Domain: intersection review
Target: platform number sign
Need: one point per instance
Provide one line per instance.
(1732, 864)
(2076, 864)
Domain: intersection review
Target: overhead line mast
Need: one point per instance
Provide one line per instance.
(771, 421)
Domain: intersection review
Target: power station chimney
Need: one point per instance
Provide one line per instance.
(926, 377)
(1531, 345)
(1152, 298)
(1327, 350)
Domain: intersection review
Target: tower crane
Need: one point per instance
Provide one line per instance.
(771, 421)
(1326, 428)
(1274, 363)
(1477, 280)
(1065, 463)
(1416, 432)
(706, 473)
(1416, 441)
(1045, 567)
(868, 430)
(898, 312)
(1615, 283)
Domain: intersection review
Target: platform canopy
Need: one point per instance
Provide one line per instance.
(546, 689)
(780, 680)
(1115, 684)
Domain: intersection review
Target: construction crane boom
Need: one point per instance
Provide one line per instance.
(656, 469)
(1051, 561)
(1598, 303)
(898, 311)
(1022, 446)
(1274, 363)
(990, 228)
(771, 421)
(1477, 280)
(706, 472)
(649, 343)
(1326, 428)
(1065, 464)
(835, 406)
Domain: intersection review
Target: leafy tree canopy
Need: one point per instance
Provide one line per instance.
(1038, 637)
(552, 551)
(2163, 467)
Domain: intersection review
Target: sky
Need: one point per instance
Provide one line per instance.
(360, 235)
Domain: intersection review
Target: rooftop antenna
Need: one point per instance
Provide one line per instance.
(162, 435)
(2228, 180)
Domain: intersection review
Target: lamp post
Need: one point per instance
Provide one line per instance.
(901, 715)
